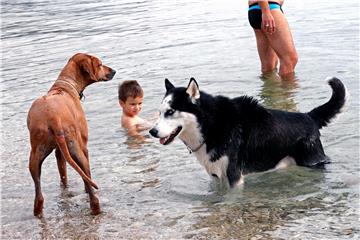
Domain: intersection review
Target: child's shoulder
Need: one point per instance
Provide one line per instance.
(127, 122)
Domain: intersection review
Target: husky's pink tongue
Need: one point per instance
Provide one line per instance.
(162, 140)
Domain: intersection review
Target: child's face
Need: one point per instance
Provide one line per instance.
(132, 106)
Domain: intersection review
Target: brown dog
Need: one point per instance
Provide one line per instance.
(57, 121)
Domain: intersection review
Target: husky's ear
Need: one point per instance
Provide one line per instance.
(168, 85)
(193, 90)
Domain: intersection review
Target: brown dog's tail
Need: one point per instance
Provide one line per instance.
(61, 142)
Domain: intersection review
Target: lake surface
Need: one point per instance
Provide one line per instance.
(149, 191)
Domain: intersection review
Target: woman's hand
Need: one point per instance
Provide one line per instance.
(268, 22)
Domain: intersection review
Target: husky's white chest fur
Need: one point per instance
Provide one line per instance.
(216, 168)
(193, 139)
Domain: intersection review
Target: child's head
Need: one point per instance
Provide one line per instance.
(130, 97)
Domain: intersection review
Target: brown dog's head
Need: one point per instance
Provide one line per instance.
(92, 68)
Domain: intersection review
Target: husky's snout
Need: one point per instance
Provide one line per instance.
(154, 132)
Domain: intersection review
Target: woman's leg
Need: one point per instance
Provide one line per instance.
(282, 43)
(268, 57)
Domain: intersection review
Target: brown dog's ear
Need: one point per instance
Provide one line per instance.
(87, 66)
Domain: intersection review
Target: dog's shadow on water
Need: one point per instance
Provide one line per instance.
(264, 202)
(283, 185)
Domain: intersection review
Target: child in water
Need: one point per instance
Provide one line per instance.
(130, 99)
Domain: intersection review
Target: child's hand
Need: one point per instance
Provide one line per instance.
(143, 126)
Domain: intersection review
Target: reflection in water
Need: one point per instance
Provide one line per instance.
(70, 221)
(46, 230)
(265, 203)
(142, 162)
(149, 191)
(137, 142)
(278, 93)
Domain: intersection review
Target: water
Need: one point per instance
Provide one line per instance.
(148, 191)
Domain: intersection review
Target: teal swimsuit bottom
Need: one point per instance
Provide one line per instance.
(271, 5)
(254, 13)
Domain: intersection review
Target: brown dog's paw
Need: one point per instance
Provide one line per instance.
(38, 213)
(64, 182)
(38, 206)
(95, 206)
(95, 210)
(39, 216)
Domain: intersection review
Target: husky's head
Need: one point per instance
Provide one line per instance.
(178, 112)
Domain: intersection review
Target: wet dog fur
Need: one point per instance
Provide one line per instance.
(238, 136)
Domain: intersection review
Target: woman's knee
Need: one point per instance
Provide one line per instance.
(269, 63)
(290, 59)
(294, 58)
(268, 67)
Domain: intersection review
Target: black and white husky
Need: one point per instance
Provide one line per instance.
(235, 137)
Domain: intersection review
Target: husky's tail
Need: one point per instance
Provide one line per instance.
(324, 113)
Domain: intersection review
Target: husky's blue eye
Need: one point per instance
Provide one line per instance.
(169, 112)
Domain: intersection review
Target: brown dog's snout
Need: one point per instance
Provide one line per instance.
(111, 74)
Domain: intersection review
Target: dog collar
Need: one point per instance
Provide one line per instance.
(81, 95)
(193, 150)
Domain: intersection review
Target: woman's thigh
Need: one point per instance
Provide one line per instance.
(267, 54)
(281, 40)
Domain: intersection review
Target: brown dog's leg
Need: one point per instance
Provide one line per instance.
(61, 163)
(94, 201)
(36, 159)
(81, 158)
(86, 154)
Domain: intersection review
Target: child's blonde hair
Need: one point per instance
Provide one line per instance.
(129, 88)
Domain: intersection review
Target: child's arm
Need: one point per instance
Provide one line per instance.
(149, 123)
(143, 125)
(134, 126)
(134, 131)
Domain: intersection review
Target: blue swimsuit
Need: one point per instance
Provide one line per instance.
(254, 13)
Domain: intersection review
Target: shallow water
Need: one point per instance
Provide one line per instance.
(148, 191)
